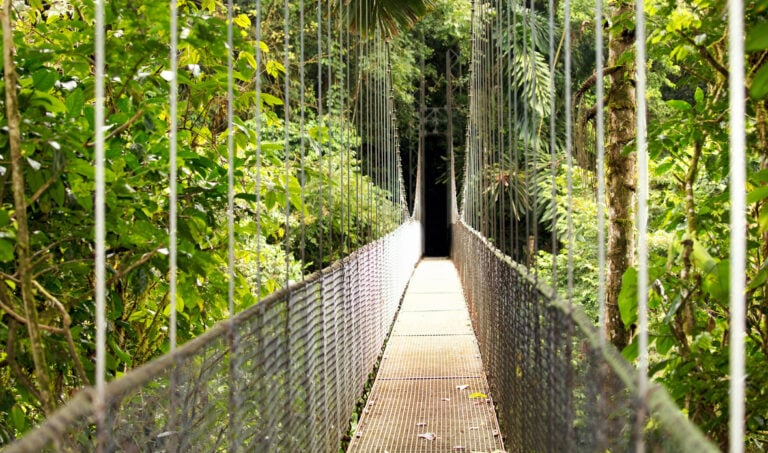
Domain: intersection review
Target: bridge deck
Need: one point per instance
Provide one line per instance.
(431, 381)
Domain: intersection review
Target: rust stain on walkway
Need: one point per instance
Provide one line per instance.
(431, 394)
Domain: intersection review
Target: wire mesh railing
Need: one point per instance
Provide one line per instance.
(283, 375)
(557, 388)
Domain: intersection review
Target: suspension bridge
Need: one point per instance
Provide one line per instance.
(470, 353)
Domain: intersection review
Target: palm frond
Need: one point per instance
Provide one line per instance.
(391, 16)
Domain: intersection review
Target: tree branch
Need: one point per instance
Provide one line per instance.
(143, 260)
(591, 81)
(42, 189)
(11, 357)
(67, 321)
(22, 320)
(704, 52)
(120, 129)
(23, 260)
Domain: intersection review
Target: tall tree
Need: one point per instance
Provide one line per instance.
(620, 163)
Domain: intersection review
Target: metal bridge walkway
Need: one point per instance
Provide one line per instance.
(431, 393)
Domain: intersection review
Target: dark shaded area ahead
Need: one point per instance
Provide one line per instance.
(437, 232)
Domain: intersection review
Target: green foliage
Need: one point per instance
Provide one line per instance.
(282, 186)
(628, 297)
(583, 242)
(688, 211)
(388, 16)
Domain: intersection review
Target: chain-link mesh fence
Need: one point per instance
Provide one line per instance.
(284, 375)
(556, 387)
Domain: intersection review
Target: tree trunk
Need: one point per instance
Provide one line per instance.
(24, 266)
(621, 175)
(685, 320)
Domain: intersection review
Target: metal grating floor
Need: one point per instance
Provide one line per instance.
(431, 379)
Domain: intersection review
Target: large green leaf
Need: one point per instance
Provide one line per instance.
(715, 273)
(628, 297)
(759, 87)
(392, 16)
(757, 38)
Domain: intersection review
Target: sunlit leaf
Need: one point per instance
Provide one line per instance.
(242, 21)
(628, 297)
(759, 87)
(757, 38)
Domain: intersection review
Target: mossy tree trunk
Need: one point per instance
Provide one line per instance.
(620, 165)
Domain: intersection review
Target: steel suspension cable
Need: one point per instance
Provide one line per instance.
(552, 140)
(287, 137)
(534, 141)
(568, 144)
(569, 192)
(257, 118)
(514, 134)
(737, 302)
(485, 116)
(320, 134)
(368, 127)
(302, 144)
(343, 106)
(329, 46)
(173, 203)
(527, 90)
(359, 117)
(232, 427)
(642, 223)
(600, 166)
(172, 173)
(99, 225)
(499, 46)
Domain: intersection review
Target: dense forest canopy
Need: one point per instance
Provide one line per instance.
(689, 224)
(295, 177)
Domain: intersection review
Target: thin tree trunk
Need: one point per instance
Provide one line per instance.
(621, 177)
(686, 318)
(761, 123)
(20, 207)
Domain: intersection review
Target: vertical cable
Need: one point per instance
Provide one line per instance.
(232, 426)
(738, 221)
(379, 132)
(100, 231)
(321, 192)
(302, 133)
(230, 163)
(527, 90)
(257, 88)
(600, 166)
(422, 93)
(484, 122)
(359, 117)
(347, 121)
(172, 208)
(642, 222)
(329, 45)
(368, 123)
(341, 74)
(500, 104)
(287, 139)
(552, 141)
(449, 112)
(534, 141)
(513, 134)
(568, 143)
(320, 133)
